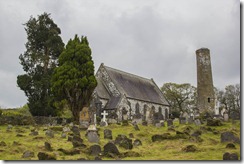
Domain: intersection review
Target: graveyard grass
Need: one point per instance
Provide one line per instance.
(209, 149)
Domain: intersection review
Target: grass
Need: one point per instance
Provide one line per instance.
(171, 149)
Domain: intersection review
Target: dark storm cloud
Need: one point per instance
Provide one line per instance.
(155, 39)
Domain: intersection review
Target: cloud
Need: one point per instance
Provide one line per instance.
(155, 39)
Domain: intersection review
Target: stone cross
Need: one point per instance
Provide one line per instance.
(104, 115)
(95, 119)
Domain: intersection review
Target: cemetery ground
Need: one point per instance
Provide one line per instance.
(15, 141)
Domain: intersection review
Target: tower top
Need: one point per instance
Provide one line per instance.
(203, 50)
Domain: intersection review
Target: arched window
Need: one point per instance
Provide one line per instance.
(145, 109)
(160, 110)
(137, 108)
(166, 113)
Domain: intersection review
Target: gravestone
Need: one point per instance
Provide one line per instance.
(110, 148)
(137, 116)
(49, 133)
(137, 142)
(229, 137)
(66, 129)
(169, 122)
(182, 120)
(84, 118)
(92, 134)
(191, 120)
(108, 134)
(226, 117)
(95, 150)
(197, 122)
(28, 154)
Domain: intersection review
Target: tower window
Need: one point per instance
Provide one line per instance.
(208, 99)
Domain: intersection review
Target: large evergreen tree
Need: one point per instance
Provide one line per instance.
(43, 47)
(74, 79)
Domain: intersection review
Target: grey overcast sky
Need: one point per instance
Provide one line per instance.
(150, 38)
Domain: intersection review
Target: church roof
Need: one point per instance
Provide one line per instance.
(134, 87)
(101, 89)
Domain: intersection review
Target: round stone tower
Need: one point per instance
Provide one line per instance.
(205, 89)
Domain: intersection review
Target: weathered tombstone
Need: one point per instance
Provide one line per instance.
(77, 142)
(162, 123)
(108, 134)
(95, 150)
(48, 146)
(63, 135)
(84, 118)
(226, 117)
(229, 137)
(110, 148)
(230, 156)
(169, 122)
(49, 133)
(182, 120)
(124, 142)
(75, 130)
(137, 116)
(66, 129)
(197, 122)
(92, 134)
(28, 154)
(137, 142)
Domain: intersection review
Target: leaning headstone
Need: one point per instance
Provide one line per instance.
(48, 146)
(229, 137)
(197, 122)
(102, 124)
(110, 148)
(108, 134)
(124, 142)
(169, 122)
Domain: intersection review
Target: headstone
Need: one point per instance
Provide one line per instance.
(28, 154)
(92, 134)
(95, 150)
(45, 156)
(137, 142)
(131, 135)
(66, 129)
(75, 130)
(229, 156)
(102, 124)
(197, 122)
(47, 146)
(169, 122)
(124, 142)
(77, 142)
(104, 114)
(229, 137)
(10, 127)
(63, 135)
(226, 117)
(92, 137)
(108, 134)
(191, 120)
(162, 123)
(110, 148)
(182, 120)
(34, 133)
(49, 133)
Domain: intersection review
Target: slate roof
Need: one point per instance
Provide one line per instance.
(132, 86)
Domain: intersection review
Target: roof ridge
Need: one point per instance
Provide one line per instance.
(129, 73)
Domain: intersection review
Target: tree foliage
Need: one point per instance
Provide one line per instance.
(74, 79)
(230, 98)
(181, 97)
(43, 47)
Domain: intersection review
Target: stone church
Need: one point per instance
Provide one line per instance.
(125, 96)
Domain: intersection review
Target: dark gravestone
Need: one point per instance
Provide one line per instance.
(77, 142)
(213, 122)
(75, 130)
(229, 137)
(95, 150)
(230, 146)
(108, 134)
(49, 133)
(229, 156)
(169, 122)
(45, 156)
(47, 146)
(110, 148)
(124, 142)
(131, 135)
